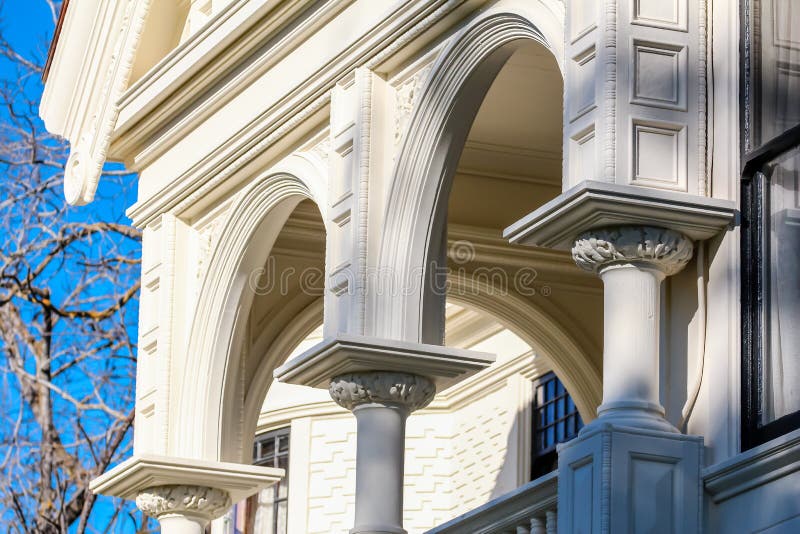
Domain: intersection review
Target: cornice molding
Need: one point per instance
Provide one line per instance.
(306, 100)
(348, 354)
(756, 467)
(592, 204)
(146, 471)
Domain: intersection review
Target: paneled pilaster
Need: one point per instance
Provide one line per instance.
(360, 135)
(161, 330)
(635, 93)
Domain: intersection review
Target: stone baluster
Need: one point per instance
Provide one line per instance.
(538, 526)
(551, 522)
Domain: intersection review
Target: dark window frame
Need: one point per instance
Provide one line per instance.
(544, 460)
(755, 253)
(276, 436)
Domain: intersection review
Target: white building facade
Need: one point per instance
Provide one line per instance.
(452, 265)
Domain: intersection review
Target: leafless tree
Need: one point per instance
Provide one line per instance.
(69, 283)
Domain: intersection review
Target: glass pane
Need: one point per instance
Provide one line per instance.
(267, 450)
(781, 369)
(281, 519)
(265, 513)
(775, 68)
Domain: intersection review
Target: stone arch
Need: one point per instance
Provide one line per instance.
(415, 214)
(293, 332)
(546, 336)
(210, 407)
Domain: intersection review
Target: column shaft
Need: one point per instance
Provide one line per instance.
(181, 524)
(631, 336)
(381, 402)
(379, 468)
(632, 262)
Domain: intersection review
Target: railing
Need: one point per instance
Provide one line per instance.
(530, 509)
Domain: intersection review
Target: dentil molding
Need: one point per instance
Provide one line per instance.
(405, 389)
(667, 250)
(209, 503)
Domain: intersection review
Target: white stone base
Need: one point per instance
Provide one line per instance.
(614, 479)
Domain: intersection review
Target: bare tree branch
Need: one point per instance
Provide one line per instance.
(69, 284)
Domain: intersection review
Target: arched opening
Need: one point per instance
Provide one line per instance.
(483, 148)
(260, 283)
(511, 164)
(301, 429)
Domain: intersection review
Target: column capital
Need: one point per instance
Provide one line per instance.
(407, 390)
(665, 250)
(199, 501)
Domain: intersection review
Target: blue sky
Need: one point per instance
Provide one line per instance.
(28, 26)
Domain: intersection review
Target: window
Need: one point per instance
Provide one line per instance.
(770, 219)
(269, 509)
(555, 420)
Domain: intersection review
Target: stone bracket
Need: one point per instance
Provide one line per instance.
(345, 354)
(146, 471)
(592, 204)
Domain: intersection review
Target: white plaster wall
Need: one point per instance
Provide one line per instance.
(331, 475)
(483, 429)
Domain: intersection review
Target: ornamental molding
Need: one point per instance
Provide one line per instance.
(404, 389)
(666, 250)
(88, 155)
(209, 503)
(406, 96)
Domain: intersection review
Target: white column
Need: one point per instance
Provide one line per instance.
(381, 402)
(183, 509)
(632, 262)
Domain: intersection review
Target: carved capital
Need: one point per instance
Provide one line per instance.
(404, 389)
(208, 503)
(666, 250)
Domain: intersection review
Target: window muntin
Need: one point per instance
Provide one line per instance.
(555, 420)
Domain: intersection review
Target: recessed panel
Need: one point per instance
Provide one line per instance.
(653, 501)
(669, 14)
(786, 21)
(582, 18)
(660, 75)
(581, 156)
(659, 155)
(582, 488)
(582, 83)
